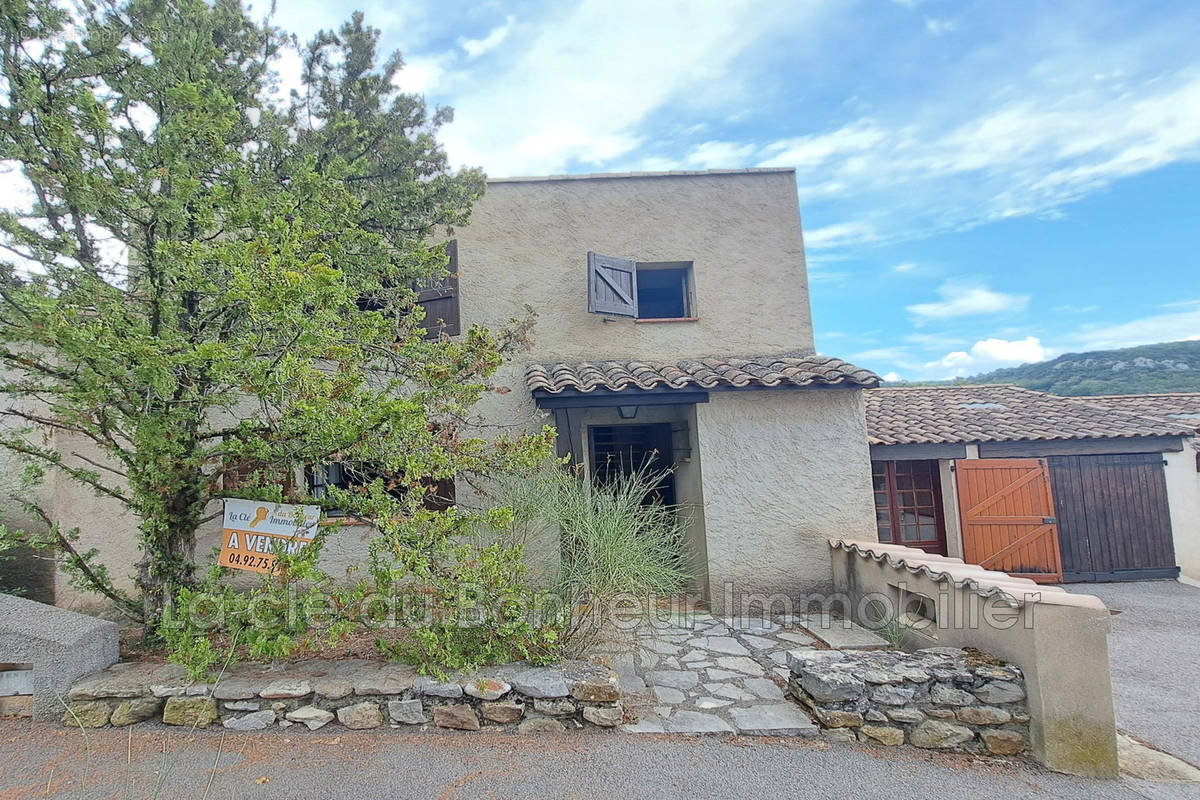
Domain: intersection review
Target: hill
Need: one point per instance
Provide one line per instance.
(1166, 367)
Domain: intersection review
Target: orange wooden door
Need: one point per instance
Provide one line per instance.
(1007, 514)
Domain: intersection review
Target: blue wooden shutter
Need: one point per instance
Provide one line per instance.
(612, 286)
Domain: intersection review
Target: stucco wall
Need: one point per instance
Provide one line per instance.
(783, 472)
(528, 243)
(1183, 497)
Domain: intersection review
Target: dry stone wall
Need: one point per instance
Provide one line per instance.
(938, 698)
(354, 694)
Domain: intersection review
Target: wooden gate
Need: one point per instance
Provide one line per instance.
(1008, 520)
(1114, 521)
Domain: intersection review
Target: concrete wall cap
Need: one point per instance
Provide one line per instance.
(987, 583)
(683, 173)
(39, 622)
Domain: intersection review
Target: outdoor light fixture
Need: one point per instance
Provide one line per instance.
(627, 412)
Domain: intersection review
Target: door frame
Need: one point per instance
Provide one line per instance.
(938, 546)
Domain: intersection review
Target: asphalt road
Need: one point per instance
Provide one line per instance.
(154, 761)
(1154, 654)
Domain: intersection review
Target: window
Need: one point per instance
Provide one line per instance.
(908, 504)
(662, 291)
(343, 476)
(438, 296)
(640, 289)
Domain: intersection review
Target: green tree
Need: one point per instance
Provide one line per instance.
(209, 278)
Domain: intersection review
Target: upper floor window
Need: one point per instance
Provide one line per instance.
(644, 290)
(437, 295)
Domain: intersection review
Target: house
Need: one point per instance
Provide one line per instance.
(674, 327)
(1046, 487)
(674, 330)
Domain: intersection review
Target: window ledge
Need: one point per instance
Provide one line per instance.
(651, 321)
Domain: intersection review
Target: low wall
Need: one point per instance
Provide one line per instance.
(938, 698)
(355, 694)
(60, 646)
(1058, 639)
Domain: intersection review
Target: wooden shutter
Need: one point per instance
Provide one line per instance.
(439, 297)
(1008, 520)
(612, 286)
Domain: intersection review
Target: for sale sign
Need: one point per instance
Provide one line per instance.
(255, 531)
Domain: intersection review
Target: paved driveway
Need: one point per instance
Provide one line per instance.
(1155, 653)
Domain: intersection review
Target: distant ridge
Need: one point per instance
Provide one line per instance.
(1149, 369)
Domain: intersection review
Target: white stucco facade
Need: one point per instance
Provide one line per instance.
(783, 472)
(1182, 471)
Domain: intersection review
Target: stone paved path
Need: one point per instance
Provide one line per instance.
(708, 675)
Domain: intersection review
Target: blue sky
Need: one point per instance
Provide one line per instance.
(981, 183)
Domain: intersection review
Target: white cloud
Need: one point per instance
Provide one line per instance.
(904, 267)
(986, 355)
(890, 377)
(838, 234)
(720, 155)
(424, 73)
(1168, 327)
(963, 299)
(577, 93)
(477, 47)
(1028, 156)
(939, 27)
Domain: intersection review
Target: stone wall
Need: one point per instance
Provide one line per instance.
(938, 698)
(356, 694)
(1059, 639)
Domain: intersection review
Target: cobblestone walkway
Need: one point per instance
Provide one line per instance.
(709, 675)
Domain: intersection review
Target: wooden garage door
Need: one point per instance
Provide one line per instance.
(1008, 520)
(1114, 522)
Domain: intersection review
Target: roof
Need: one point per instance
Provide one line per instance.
(1179, 407)
(965, 414)
(682, 173)
(699, 373)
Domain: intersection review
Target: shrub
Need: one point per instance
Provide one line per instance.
(615, 540)
(457, 602)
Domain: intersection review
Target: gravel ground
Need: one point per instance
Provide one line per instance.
(47, 761)
(1154, 652)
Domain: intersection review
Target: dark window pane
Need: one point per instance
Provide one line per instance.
(662, 293)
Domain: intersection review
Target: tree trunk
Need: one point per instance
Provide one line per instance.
(168, 552)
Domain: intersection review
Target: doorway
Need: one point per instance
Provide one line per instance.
(618, 450)
(908, 504)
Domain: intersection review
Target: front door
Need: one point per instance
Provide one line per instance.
(908, 504)
(1008, 520)
(626, 449)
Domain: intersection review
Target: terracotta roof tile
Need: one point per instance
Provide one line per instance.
(964, 414)
(1181, 407)
(699, 373)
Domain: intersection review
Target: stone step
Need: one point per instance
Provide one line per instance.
(773, 719)
(842, 634)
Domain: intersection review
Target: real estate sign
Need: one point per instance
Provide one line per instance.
(254, 531)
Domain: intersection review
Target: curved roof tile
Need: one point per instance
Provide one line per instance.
(701, 373)
(999, 413)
